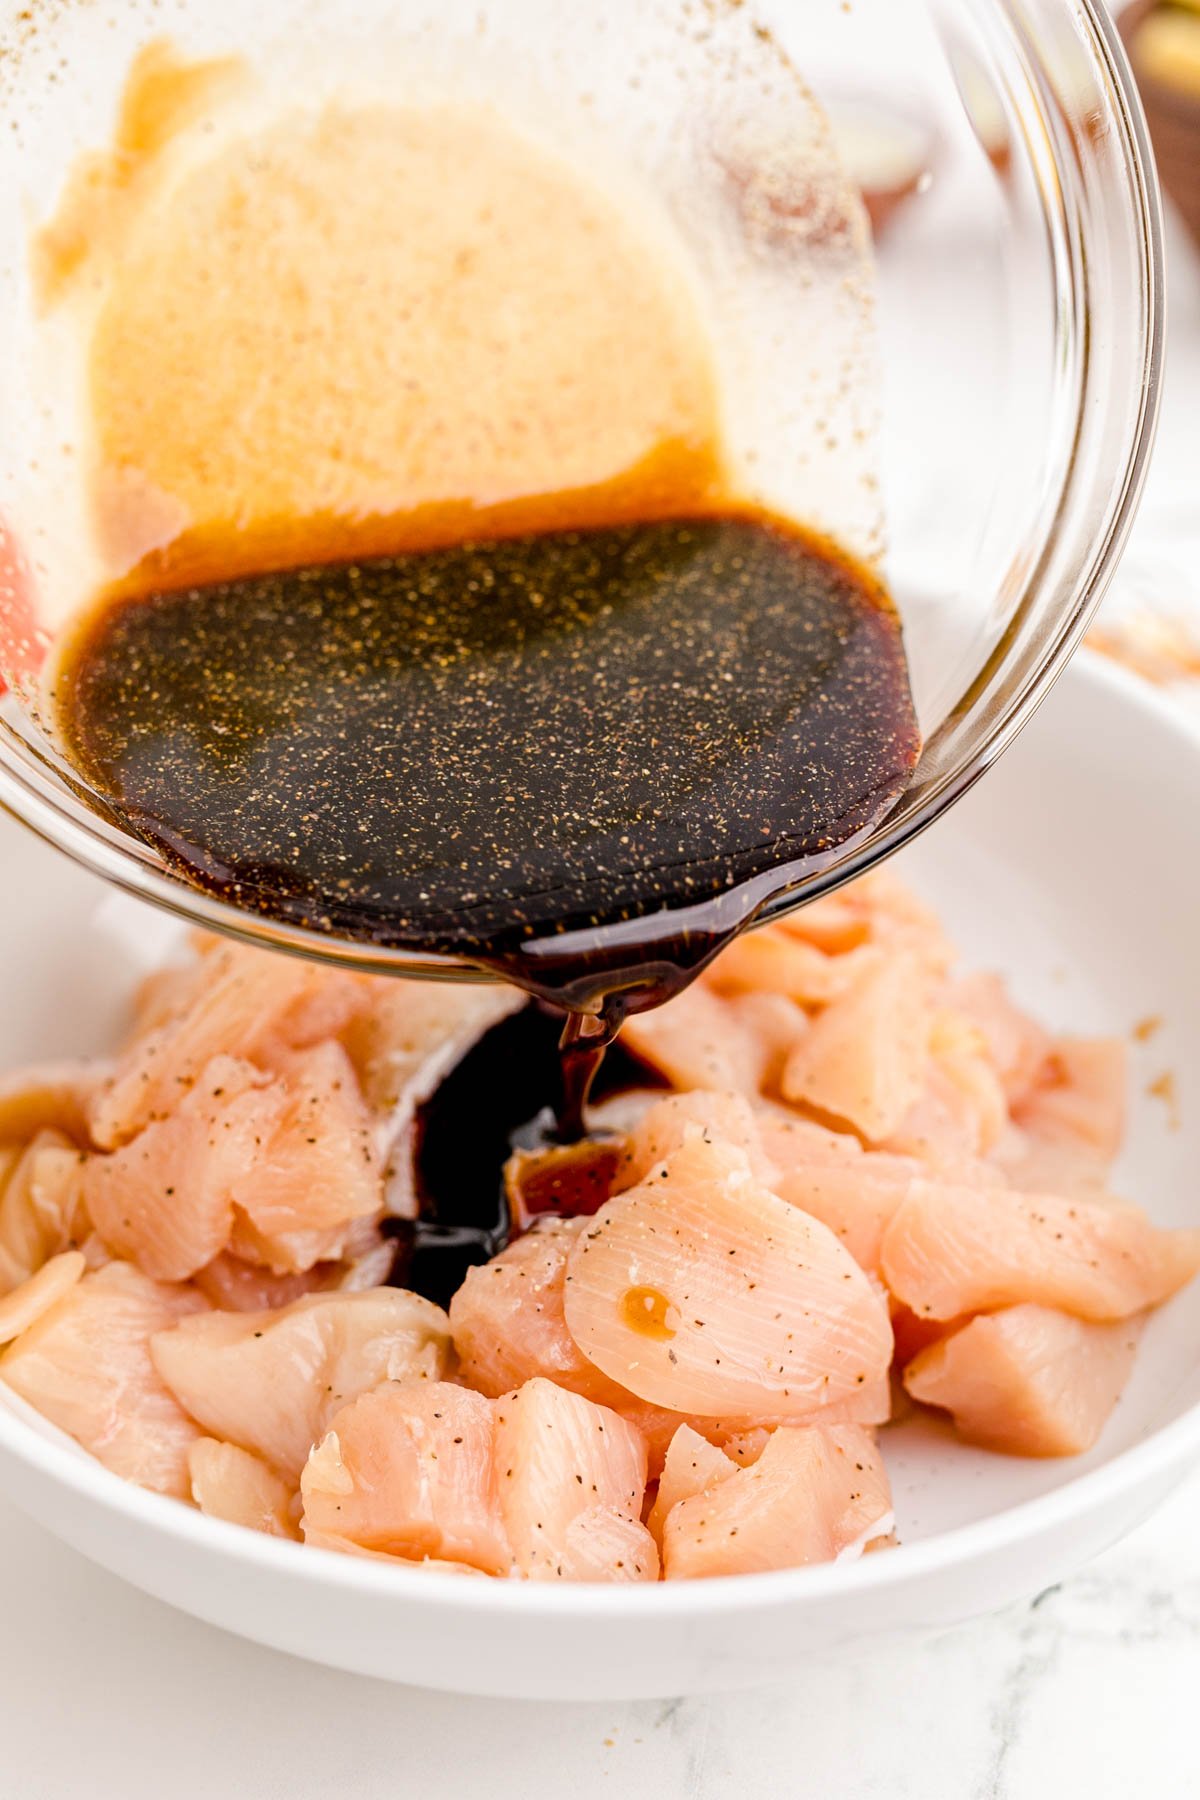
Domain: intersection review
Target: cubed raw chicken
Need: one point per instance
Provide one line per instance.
(271, 1382)
(865, 1060)
(239, 1002)
(1078, 1099)
(1016, 1045)
(1027, 1380)
(85, 1365)
(776, 960)
(571, 1477)
(410, 1470)
(230, 1484)
(691, 1466)
(696, 1041)
(814, 1494)
(41, 1205)
(703, 1292)
(951, 1250)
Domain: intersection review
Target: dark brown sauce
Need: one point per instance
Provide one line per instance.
(507, 751)
(510, 1087)
(560, 755)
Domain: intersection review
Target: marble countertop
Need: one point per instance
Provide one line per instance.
(107, 1695)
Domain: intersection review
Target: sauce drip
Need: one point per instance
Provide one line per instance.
(649, 1313)
(558, 755)
(508, 1088)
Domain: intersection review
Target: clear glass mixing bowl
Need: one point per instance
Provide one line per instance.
(959, 379)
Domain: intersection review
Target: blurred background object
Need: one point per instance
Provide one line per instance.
(1163, 41)
(1150, 622)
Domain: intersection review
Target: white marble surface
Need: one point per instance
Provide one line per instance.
(1090, 1691)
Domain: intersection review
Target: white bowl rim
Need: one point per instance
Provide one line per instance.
(1169, 1448)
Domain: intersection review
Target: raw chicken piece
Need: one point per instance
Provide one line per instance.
(696, 1041)
(228, 1483)
(717, 1117)
(871, 909)
(745, 1447)
(25, 1305)
(237, 1286)
(414, 1032)
(953, 1249)
(963, 1111)
(835, 924)
(271, 1382)
(865, 1060)
(289, 1252)
(278, 1167)
(316, 1170)
(774, 960)
(826, 1174)
(1079, 1098)
(814, 1494)
(48, 1097)
(603, 1545)
(241, 1003)
(896, 919)
(1035, 1166)
(789, 1141)
(855, 1200)
(167, 991)
(508, 1322)
(773, 1023)
(876, 909)
(509, 1326)
(409, 1470)
(1015, 1045)
(165, 1199)
(366, 1260)
(561, 1459)
(703, 1292)
(41, 1205)
(692, 1465)
(85, 1365)
(1028, 1380)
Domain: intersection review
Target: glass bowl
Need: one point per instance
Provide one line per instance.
(935, 294)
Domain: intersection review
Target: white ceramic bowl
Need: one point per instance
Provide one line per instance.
(1075, 869)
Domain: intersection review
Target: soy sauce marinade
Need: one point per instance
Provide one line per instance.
(498, 749)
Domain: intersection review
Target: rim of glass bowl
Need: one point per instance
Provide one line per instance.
(1079, 540)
